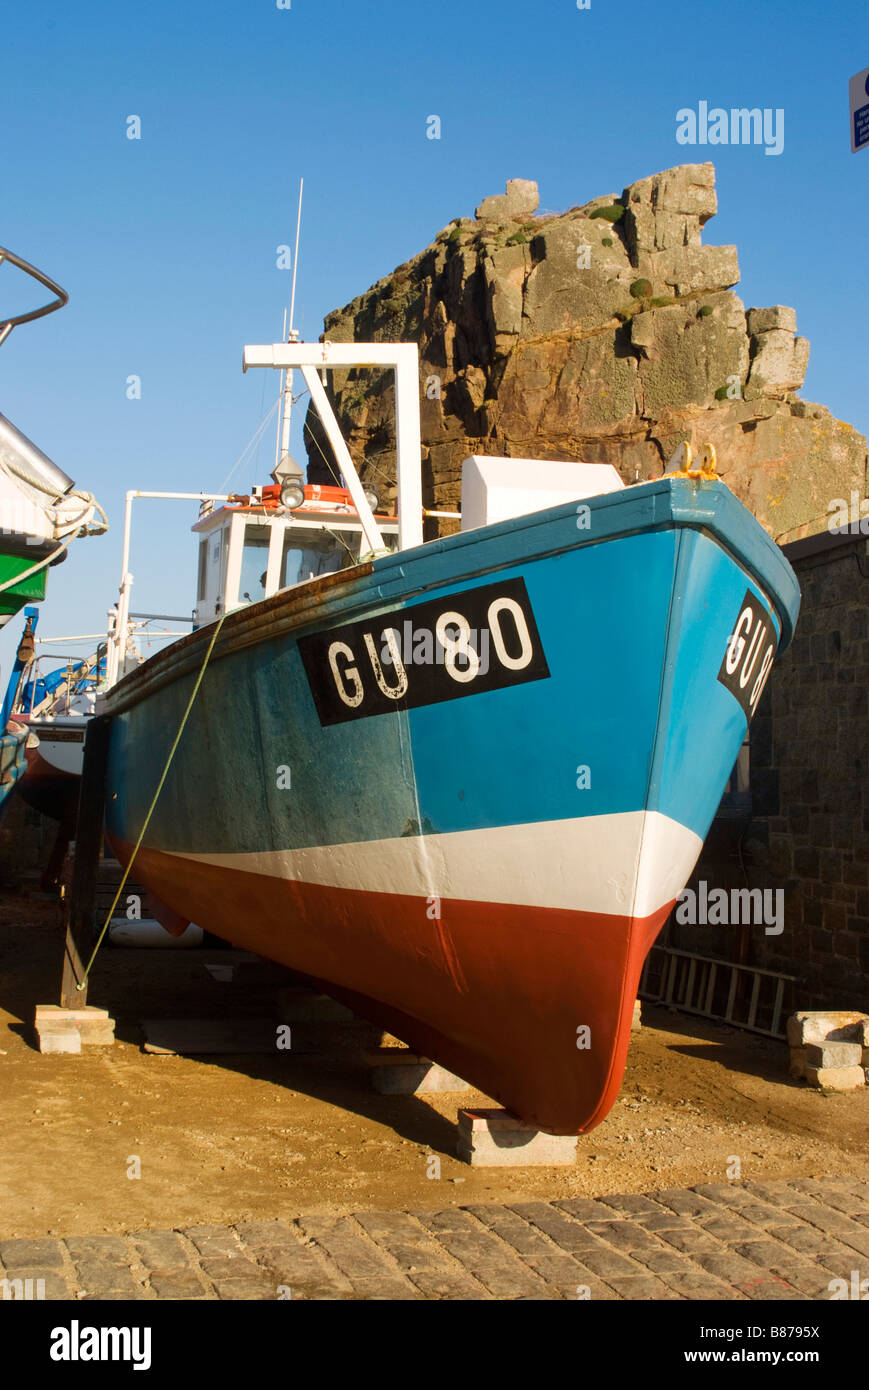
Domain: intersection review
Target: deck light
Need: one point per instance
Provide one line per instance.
(292, 493)
(291, 479)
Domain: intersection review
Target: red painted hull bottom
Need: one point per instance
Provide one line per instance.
(495, 992)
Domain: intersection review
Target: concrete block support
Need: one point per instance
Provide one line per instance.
(836, 1078)
(495, 1138)
(395, 1071)
(835, 1054)
(826, 1026)
(69, 1030)
(828, 1048)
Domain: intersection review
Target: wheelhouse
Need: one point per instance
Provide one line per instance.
(252, 547)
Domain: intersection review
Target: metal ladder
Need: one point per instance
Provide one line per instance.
(744, 996)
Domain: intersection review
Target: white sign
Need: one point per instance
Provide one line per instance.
(858, 91)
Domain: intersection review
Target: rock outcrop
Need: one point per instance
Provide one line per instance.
(609, 333)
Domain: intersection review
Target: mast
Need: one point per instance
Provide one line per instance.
(280, 430)
(291, 337)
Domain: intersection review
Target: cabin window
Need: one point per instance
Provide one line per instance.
(309, 553)
(224, 558)
(203, 570)
(254, 563)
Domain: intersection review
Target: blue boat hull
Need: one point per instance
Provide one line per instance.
(463, 786)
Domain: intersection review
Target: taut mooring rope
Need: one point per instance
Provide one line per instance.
(150, 812)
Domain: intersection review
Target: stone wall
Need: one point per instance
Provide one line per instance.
(807, 832)
(608, 333)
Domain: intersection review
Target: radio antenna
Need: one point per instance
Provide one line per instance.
(290, 336)
(296, 260)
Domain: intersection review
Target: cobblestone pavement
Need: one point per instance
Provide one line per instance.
(753, 1240)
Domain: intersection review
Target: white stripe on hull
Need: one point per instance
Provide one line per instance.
(631, 863)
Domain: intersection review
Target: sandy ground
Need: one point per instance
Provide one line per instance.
(228, 1138)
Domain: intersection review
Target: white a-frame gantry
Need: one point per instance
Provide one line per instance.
(311, 358)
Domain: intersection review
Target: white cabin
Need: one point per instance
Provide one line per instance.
(252, 547)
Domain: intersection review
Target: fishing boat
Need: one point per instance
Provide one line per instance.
(256, 546)
(53, 694)
(457, 783)
(41, 513)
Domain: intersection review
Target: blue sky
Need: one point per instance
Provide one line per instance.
(167, 244)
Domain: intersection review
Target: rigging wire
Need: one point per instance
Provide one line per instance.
(254, 440)
(330, 531)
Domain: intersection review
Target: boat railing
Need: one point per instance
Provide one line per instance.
(60, 295)
(79, 670)
(120, 618)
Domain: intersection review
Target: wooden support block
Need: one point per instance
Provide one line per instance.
(495, 1138)
(55, 1013)
(637, 1019)
(68, 1030)
(60, 1040)
(97, 1032)
(395, 1071)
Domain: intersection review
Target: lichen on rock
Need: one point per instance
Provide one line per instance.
(595, 336)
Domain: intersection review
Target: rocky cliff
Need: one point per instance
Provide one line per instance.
(608, 333)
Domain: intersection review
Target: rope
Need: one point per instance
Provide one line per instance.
(83, 518)
(150, 812)
(50, 559)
